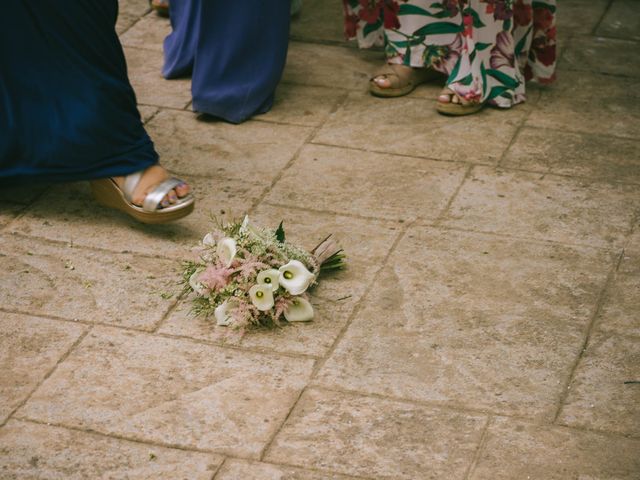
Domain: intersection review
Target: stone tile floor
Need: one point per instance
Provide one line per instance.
(488, 326)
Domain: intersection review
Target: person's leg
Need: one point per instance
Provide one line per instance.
(240, 56)
(66, 102)
(180, 45)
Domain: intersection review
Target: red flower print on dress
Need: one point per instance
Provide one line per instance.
(546, 55)
(350, 25)
(369, 11)
(522, 13)
(468, 25)
(542, 18)
(390, 14)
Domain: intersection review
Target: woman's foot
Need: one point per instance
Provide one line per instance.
(450, 103)
(151, 178)
(149, 196)
(395, 80)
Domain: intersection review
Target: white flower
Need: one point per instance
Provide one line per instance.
(245, 224)
(269, 277)
(195, 284)
(226, 250)
(208, 239)
(295, 277)
(221, 312)
(262, 297)
(300, 310)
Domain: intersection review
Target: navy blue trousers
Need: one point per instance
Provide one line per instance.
(235, 52)
(67, 110)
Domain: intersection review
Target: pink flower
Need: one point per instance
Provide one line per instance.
(215, 277)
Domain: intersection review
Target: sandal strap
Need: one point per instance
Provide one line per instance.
(130, 183)
(154, 197)
(391, 69)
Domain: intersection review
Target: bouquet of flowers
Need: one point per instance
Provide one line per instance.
(246, 275)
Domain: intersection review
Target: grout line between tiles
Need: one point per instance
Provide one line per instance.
(481, 445)
(443, 213)
(564, 393)
(62, 358)
(459, 409)
(153, 443)
(295, 156)
(495, 165)
(219, 469)
(197, 341)
(601, 19)
(356, 309)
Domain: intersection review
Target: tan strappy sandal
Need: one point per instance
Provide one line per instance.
(107, 192)
(456, 105)
(403, 79)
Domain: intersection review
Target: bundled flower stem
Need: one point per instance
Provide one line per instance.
(247, 275)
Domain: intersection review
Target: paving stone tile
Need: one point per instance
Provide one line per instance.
(29, 349)
(577, 103)
(144, 67)
(147, 112)
(516, 450)
(302, 105)
(31, 451)
(545, 207)
(603, 55)
(70, 214)
(472, 321)
(20, 195)
(363, 121)
(358, 435)
(171, 391)
(240, 469)
(129, 12)
(337, 67)
(8, 212)
(621, 20)
(309, 338)
(577, 154)
(253, 152)
(579, 17)
(319, 21)
(182, 322)
(369, 184)
(148, 33)
(598, 397)
(94, 286)
(365, 243)
(621, 309)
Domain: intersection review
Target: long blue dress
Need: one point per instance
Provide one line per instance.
(235, 52)
(67, 110)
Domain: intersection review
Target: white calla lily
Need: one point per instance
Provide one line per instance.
(222, 314)
(227, 250)
(300, 310)
(245, 224)
(269, 277)
(208, 239)
(262, 297)
(295, 277)
(195, 284)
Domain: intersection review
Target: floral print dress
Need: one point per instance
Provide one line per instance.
(487, 48)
